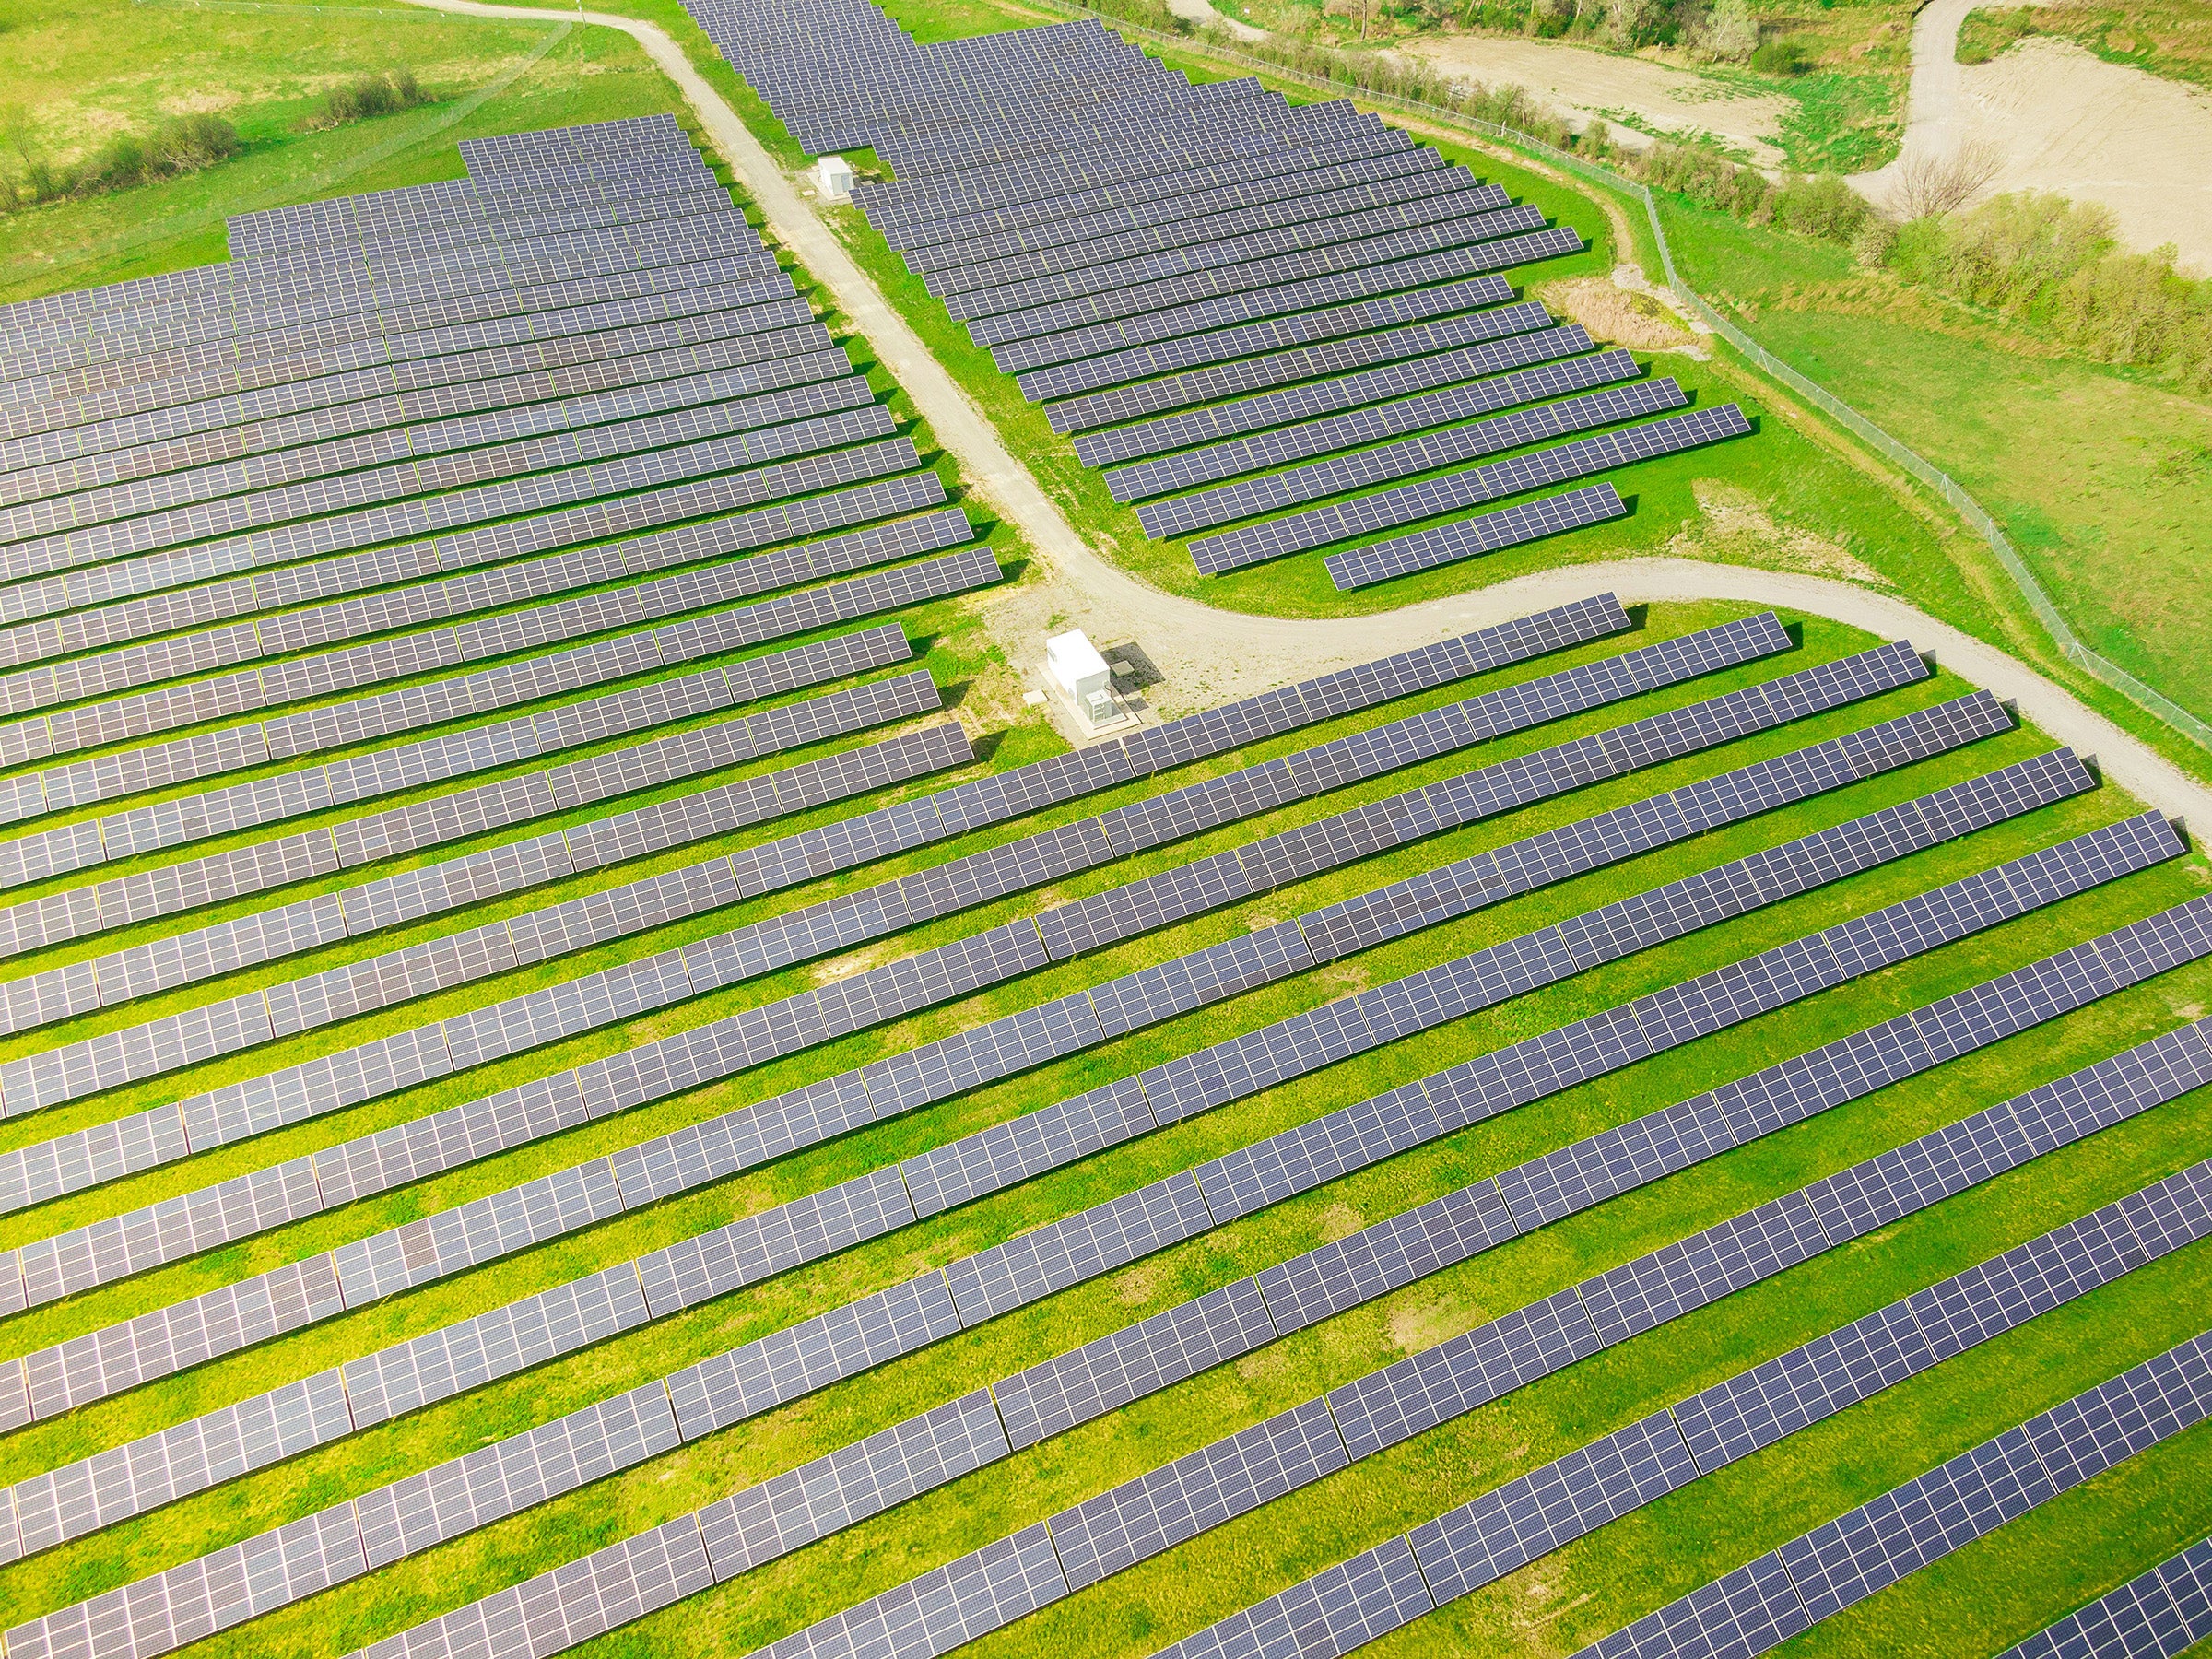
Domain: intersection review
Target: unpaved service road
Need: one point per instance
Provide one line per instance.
(1224, 655)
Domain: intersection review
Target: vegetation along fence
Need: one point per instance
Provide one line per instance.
(2062, 634)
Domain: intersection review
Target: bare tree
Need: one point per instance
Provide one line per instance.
(1929, 185)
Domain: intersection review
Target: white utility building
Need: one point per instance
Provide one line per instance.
(1083, 678)
(836, 175)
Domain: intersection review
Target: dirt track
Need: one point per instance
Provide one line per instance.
(1209, 654)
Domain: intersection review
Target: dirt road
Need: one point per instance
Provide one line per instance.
(1209, 654)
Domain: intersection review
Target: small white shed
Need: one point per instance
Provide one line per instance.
(1082, 675)
(836, 176)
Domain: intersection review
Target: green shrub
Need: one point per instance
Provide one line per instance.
(1823, 206)
(368, 95)
(191, 142)
(1781, 57)
(2053, 263)
(182, 146)
(1986, 33)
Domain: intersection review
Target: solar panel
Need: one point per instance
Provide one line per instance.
(1429, 370)
(2156, 1615)
(1319, 437)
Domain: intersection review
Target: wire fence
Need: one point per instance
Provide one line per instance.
(2062, 637)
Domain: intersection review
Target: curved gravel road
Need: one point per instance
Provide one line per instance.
(1226, 654)
(1933, 124)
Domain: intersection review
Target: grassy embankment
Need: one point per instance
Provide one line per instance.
(71, 76)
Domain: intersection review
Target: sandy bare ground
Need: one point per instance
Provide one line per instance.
(1577, 81)
(2064, 120)
(2067, 121)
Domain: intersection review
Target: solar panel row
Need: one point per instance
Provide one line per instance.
(332, 726)
(1068, 381)
(1217, 421)
(337, 435)
(70, 1072)
(312, 308)
(468, 449)
(711, 299)
(2072, 1107)
(1474, 212)
(474, 512)
(603, 289)
(1507, 528)
(216, 426)
(1048, 232)
(207, 953)
(1164, 222)
(1286, 445)
(80, 913)
(1430, 498)
(1124, 333)
(1191, 236)
(75, 1261)
(759, 1524)
(187, 819)
(1277, 490)
(101, 630)
(987, 1279)
(1142, 200)
(393, 239)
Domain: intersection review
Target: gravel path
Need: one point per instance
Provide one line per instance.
(1934, 113)
(1207, 656)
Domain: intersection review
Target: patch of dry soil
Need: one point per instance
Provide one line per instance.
(1577, 81)
(2067, 121)
(2064, 120)
(1619, 316)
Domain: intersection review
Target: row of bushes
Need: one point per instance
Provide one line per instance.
(182, 146)
(1822, 206)
(2056, 266)
(372, 95)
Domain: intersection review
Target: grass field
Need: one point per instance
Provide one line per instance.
(1787, 477)
(77, 74)
(2103, 477)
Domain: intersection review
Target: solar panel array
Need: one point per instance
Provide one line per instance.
(1145, 254)
(649, 1419)
(1146, 1515)
(476, 688)
(842, 1503)
(544, 1462)
(130, 1243)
